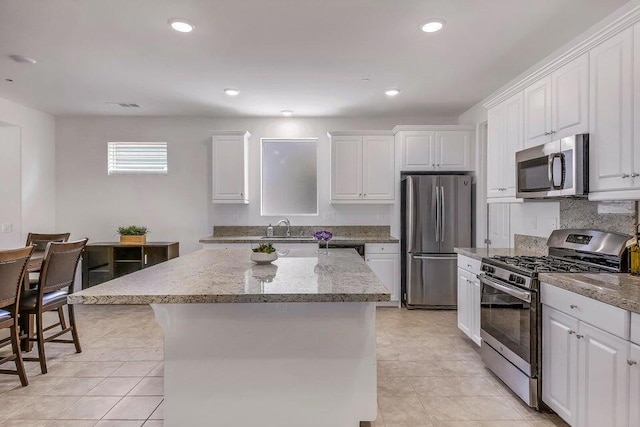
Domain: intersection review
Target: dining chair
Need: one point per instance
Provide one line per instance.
(57, 278)
(39, 241)
(13, 267)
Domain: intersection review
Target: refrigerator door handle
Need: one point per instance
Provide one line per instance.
(410, 224)
(437, 193)
(442, 210)
(448, 258)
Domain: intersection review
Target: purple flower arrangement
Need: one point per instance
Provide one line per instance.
(323, 236)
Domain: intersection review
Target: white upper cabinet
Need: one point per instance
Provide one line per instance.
(378, 167)
(418, 150)
(611, 114)
(570, 98)
(557, 105)
(453, 150)
(435, 149)
(346, 168)
(537, 101)
(229, 164)
(505, 137)
(362, 168)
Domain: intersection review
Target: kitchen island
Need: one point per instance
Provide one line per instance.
(288, 344)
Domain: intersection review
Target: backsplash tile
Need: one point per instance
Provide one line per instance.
(581, 213)
(296, 231)
(535, 245)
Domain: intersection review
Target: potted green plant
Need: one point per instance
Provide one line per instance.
(265, 253)
(133, 235)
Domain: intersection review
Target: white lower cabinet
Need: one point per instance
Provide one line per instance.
(559, 367)
(586, 373)
(469, 298)
(384, 261)
(603, 378)
(634, 380)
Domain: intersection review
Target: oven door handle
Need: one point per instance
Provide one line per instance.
(507, 289)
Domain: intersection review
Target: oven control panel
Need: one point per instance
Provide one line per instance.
(578, 239)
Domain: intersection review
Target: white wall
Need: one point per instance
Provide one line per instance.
(178, 206)
(10, 187)
(36, 160)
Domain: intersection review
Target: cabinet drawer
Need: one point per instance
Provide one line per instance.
(470, 264)
(381, 248)
(635, 328)
(604, 316)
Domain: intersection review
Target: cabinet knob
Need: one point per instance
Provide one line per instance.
(579, 336)
(571, 332)
(433, 164)
(631, 362)
(547, 133)
(634, 175)
(573, 306)
(360, 195)
(624, 175)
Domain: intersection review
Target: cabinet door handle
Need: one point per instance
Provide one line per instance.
(573, 306)
(631, 362)
(579, 336)
(571, 332)
(624, 175)
(145, 259)
(547, 134)
(634, 175)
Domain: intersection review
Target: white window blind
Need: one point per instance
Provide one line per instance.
(137, 158)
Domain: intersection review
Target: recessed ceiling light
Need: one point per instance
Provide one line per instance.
(287, 113)
(392, 92)
(433, 26)
(232, 92)
(181, 25)
(22, 59)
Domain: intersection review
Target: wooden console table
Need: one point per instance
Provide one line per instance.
(105, 261)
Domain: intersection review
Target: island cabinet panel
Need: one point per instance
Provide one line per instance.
(230, 167)
(611, 114)
(505, 138)
(464, 303)
(107, 261)
(362, 169)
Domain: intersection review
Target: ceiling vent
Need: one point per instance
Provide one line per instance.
(124, 104)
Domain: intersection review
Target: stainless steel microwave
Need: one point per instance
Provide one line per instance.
(556, 169)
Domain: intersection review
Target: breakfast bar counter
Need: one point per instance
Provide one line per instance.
(291, 343)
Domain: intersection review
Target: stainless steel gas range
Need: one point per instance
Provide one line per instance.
(510, 309)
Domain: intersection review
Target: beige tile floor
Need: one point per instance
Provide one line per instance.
(429, 375)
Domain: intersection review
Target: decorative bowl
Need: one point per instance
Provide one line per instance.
(263, 258)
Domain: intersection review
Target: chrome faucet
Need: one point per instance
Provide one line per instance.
(286, 222)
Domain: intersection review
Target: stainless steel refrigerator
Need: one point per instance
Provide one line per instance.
(436, 217)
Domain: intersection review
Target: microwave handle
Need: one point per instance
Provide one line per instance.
(552, 181)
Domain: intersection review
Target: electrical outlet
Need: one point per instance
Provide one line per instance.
(7, 228)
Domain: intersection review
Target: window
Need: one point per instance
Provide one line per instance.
(137, 158)
(289, 177)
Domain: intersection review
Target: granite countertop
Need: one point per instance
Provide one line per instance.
(479, 253)
(618, 289)
(298, 239)
(228, 276)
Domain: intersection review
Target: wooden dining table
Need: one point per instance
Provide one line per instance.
(33, 266)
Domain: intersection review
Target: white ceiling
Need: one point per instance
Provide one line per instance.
(309, 56)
